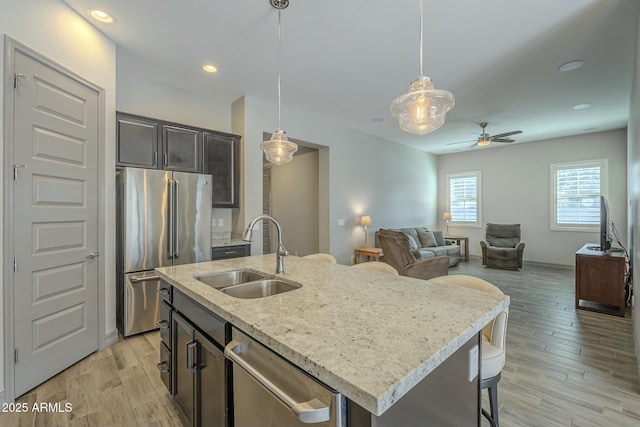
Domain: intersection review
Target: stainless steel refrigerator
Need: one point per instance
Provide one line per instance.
(163, 218)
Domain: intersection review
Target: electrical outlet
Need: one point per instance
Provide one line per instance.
(353, 259)
(341, 222)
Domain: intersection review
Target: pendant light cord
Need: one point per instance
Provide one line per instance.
(279, 67)
(421, 31)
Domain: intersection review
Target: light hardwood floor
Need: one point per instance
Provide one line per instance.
(564, 367)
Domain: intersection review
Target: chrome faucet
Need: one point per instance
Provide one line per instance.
(280, 250)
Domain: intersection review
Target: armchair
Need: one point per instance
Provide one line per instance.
(397, 253)
(503, 248)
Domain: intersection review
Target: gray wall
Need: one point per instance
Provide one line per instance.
(295, 203)
(360, 174)
(516, 188)
(56, 32)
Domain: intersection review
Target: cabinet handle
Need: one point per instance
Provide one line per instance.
(163, 291)
(229, 252)
(165, 157)
(163, 371)
(144, 279)
(155, 158)
(191, 356)
(163, 324)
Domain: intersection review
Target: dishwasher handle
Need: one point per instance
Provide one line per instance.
(312, 411)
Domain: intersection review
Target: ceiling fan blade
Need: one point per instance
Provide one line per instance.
(502, 135)
(502, 140)
(460, 142)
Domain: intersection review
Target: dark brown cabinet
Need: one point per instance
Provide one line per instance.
(221, 159)
(600, 280)
(226, 252)
(144, 142)
(137, 142)
(181, 149)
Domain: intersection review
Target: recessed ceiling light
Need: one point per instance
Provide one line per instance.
(571, 65)
(582, 106)
(210, 68)
(377, 119)
(102, 16)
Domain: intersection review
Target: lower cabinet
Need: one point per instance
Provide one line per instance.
(192, 363)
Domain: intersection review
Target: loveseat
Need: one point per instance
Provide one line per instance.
(429, 244)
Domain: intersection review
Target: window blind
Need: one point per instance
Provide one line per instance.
(463, 198)
(578, 195)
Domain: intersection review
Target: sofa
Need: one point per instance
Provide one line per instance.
(398, 254)
(425, 243)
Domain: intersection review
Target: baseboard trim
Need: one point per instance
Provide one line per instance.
(111, 338)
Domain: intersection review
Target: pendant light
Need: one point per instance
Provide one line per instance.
(279, 150)
(423, 108)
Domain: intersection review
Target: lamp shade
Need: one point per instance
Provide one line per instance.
(365, 220)
(279, 150)
(423, 108)
(447, 216)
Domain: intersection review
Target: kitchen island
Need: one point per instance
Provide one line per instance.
(371, 336)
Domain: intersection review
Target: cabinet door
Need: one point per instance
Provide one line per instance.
(182, 366)
(137, 143)
(211, 404)
(222, 161)
(181, 148)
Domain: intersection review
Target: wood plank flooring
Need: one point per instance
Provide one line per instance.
(564, 367)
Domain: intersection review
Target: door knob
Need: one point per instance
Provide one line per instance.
(93, 255)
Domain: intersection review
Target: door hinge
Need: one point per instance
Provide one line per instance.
(15, 355)
(17, 76)
(15, 264)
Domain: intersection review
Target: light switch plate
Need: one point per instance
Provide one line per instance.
(473, 362)
(341, 222)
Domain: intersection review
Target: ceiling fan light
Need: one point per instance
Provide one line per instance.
(279, 150)
(484, 142)
(423, 108)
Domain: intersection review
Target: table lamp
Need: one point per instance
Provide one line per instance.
(365, 221)
(447, 218)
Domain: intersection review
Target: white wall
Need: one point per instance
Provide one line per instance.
(516, 189)
(634, 193)
(394, 184)
(294, 190)
(54, 31)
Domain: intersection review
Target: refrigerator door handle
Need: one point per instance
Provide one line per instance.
(176, 193)
(171, 220)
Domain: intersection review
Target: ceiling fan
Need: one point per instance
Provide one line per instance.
(486, 139)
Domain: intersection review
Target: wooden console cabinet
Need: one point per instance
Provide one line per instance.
(600, 280)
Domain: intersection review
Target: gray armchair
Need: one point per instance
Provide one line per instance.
(503, 248)
(397, 253)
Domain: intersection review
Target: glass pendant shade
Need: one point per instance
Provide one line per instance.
(278, 150)
(423, 108)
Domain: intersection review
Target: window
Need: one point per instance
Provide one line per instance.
(463, 198)
(575, 194)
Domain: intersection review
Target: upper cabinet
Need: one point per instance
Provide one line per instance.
(181, 149)
(137, 142)
(149, 143)
(221, 159)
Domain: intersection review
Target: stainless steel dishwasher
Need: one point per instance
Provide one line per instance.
(270, 391)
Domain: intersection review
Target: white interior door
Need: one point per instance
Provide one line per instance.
(55, 221)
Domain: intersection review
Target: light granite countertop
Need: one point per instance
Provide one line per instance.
(372, 336)
(219, 243)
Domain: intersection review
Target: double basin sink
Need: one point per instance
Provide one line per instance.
(247, 284)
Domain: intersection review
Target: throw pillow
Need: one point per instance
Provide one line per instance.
(412, 242)
(439, 235)
(427, 239)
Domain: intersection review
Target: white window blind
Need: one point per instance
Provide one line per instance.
(576, 194)
(464, 198)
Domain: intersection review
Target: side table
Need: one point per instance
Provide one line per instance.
(459, 240)
(374, 253)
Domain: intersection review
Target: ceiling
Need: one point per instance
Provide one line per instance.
(347, 60)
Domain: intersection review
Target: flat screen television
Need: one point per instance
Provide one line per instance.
(605, 237)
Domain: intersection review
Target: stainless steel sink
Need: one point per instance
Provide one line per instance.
(260, 288)
(225, 279)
